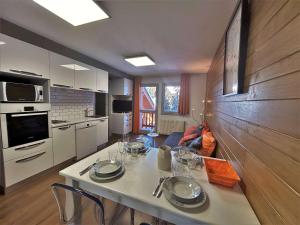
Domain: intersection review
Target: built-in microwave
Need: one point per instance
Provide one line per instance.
(19, 92)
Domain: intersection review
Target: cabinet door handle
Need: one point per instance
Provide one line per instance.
(29, 146)
(25, 72)
(30, 158)
(87, 89)
(61, 85)
(64, 127)
(86, 127)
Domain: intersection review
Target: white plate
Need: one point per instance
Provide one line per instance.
(103, 179)
(183, 189)
(200, 202)
(108, 168)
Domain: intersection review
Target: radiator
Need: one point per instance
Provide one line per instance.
(168, 126)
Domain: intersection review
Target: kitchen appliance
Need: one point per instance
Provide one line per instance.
(86, 139)
(122, 106)
(19, 92)
(23, 128)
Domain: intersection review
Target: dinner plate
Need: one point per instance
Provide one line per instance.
(183, 189)
(96, 178)
(142, 147)
(197, 204)
(107, 168)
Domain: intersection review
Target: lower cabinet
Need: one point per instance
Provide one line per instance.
(32, 160)
(102, 131)
(64, 146)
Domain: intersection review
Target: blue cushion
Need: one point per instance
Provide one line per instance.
(173, 139)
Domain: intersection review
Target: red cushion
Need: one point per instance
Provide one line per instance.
(187, 138)
(190, 130)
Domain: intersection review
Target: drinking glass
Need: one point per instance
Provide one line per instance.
(179, 169)
(134, 152)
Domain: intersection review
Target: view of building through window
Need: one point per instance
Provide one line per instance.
(171, 98)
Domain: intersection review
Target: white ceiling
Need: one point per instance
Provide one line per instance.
(180, 35)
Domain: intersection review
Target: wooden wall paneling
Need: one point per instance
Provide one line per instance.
(266, 113)
(259, 131)
(257, 200)
(271, 187)
(286, 144)
(284, 43)
(264, 11)
(275, 23)
(289, 64)
(285, 87)
(269, 156)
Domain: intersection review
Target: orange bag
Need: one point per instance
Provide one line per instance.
(208, 144)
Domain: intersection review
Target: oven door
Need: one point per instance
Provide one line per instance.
(24, 128)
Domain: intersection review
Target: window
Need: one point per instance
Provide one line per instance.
(170, 98)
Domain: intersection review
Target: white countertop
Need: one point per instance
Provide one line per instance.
(81, 120)
(134, 189)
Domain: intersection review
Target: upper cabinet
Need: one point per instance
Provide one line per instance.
(62, 73)
(121, 86)
(23, 58)
(85, 77)
(102, 81)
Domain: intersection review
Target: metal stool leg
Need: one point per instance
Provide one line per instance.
(131, 216)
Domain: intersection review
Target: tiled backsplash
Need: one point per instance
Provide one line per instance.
(70, 104)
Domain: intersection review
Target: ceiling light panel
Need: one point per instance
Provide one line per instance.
(76, 12)
(140, 61)
(74, 67)
(2, 43)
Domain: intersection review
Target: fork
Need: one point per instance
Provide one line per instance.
(157, 187)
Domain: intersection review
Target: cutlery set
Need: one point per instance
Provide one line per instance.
(158, 190)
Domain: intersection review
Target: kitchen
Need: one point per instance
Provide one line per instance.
(50, 112)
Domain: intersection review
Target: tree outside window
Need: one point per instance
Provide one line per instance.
(170, 98)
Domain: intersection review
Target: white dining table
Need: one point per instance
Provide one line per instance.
(134, 189)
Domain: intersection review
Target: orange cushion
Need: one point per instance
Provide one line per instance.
(187, 138)
(208, 144)
(190, 130)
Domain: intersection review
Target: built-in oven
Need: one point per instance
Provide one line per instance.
(19, 92)
(22, 128)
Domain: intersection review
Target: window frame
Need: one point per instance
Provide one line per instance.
(163, 99)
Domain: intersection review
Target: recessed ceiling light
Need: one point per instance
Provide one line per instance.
(2, 43)
(74, 67)
(140, 61)
(76, 12)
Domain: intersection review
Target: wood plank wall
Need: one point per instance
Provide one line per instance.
(259, 131)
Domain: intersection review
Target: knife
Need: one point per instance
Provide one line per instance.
(87, 169)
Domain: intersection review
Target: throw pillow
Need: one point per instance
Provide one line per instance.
(187, 138)
(190, 130)
(196, 143)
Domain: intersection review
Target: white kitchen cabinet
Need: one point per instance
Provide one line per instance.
(102, 81)
(23, 58)
(121, 123)
(85, 77)
(20, 167)
(121, 86)
(61, 76)
(64, 146)
(102, 131)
